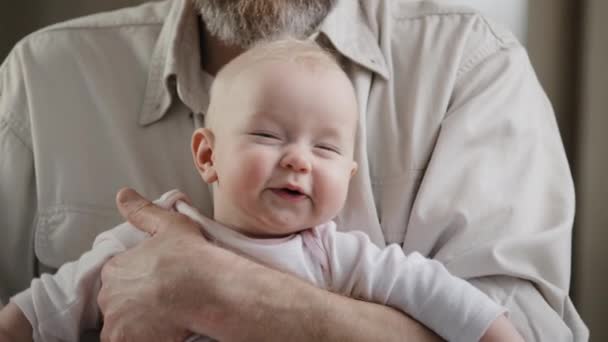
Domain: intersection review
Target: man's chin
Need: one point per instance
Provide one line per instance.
(245, 22)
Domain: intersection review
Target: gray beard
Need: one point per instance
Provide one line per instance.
(244, 22)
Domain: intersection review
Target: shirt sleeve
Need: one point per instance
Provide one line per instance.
(420, 287)
(496, 203)
(17, 182)
(61, 306)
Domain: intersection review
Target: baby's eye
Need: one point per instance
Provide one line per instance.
(329, 148)
(266, 135)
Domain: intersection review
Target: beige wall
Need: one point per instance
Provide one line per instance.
(552, 45)
(18, 18)
(570, 59)
(592, 169)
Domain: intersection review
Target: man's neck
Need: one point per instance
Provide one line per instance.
(215, 53)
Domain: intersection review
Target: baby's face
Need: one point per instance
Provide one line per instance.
(283, 148)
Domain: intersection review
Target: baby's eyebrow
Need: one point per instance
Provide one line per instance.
(267, 116)
(260, 118)
(332, 135)
(337, 133)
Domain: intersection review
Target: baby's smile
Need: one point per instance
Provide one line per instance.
(290, 193)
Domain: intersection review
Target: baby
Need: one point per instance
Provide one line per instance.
(279, 153)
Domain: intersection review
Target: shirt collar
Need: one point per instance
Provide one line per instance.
(175, 64)
(347, 29)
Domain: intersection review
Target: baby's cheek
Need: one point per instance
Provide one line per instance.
(334, 190)
(253, 171)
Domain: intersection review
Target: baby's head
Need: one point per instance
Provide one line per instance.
(279, 139)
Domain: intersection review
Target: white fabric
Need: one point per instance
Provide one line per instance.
(62, 306)
(459, 152)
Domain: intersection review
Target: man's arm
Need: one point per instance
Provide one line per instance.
(275, 306)
(217, 293)
(284, 308)
(496, 203)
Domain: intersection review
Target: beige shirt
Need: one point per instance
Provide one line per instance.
(460, 156)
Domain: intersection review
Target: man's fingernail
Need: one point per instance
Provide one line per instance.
(126, 195)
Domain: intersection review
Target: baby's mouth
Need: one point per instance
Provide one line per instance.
(289, 194)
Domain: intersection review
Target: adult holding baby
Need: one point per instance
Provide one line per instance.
(455, 150)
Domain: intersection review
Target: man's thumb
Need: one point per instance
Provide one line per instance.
(136, 209)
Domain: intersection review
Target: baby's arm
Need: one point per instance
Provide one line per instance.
(60, 307)
(420, 287)
(502, 330)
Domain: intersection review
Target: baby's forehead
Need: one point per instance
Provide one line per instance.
(262, 67)
(278, 64)
(276, 72)
(290, 50)
(305, 54)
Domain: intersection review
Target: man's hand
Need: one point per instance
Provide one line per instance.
(136, 297)
(174, 283)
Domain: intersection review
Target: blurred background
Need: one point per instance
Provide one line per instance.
(568, 46)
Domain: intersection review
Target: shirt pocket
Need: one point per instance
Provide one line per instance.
(63, 233)
(394, 198)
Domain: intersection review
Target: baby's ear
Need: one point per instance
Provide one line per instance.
(354, 169)
(202, 153)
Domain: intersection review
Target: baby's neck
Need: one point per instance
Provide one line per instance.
(254, 232)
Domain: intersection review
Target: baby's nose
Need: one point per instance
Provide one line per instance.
(296, 161)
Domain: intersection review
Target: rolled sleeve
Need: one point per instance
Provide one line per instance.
(496, 203)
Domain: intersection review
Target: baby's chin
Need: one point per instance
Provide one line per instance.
(275, 230)
(267, 235)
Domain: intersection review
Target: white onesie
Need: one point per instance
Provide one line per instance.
(61, 306)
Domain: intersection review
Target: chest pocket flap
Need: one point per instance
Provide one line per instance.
(63, 233)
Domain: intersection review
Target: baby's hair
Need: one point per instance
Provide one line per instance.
(306, 53)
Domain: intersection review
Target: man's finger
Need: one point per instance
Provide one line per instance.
(140, 212)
